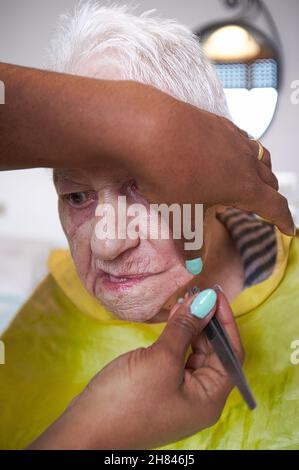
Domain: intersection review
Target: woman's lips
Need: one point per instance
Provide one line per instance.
(122, 282)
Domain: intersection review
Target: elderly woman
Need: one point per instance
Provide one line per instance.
(107, 296)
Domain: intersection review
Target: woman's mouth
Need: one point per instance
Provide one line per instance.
(123, 281)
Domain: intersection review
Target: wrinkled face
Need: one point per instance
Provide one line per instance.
(133, 278)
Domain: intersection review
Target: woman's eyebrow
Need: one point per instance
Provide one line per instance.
(59, 176)
(66, 182)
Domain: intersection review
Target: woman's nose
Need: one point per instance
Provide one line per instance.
(109, 249)
(110, 238)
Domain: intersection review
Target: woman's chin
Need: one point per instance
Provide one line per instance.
(137, 313)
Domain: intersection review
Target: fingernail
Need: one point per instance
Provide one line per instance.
(217, 286)
(180, 300)
(203, 303)
(194, 266)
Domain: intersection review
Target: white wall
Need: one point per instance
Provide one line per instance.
(25, 30)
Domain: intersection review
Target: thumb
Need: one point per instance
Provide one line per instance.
(188, 321)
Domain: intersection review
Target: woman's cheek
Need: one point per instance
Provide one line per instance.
(73, 219)
(78, 228)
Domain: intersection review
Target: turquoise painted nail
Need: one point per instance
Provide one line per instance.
(203, 303)
(194, 266)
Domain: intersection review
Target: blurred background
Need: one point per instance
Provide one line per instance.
(253, 44)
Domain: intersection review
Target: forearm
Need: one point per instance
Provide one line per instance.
(58, 120)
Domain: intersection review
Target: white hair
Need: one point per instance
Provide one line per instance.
(146, 49)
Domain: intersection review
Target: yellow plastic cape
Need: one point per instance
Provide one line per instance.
(62, 337)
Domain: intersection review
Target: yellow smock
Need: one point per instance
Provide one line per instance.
(62, 337)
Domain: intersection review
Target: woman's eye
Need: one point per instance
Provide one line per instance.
(80, 199)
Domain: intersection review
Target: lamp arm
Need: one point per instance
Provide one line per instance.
(248, 8)
(254, 8)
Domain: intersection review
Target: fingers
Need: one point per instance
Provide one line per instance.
(183, 326)
(272, 206)
(278, 212)
(207, 368)
(266, 160)
(276, 209)
(242, 132)
(265, 166)
(268, 177)
(201, 347)
(207, 375)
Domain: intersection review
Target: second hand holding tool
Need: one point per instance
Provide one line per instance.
(222, 346)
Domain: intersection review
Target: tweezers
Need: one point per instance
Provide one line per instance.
(221, 344)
